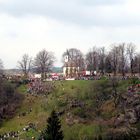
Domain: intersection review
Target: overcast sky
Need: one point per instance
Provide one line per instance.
(28, 26)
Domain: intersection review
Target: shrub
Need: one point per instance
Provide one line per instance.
(80, 112)
(10, 100)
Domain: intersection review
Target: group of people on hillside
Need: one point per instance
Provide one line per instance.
(10, 135)
(37, 86)
(16, 134)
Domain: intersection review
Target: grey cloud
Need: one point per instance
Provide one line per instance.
(81, 12)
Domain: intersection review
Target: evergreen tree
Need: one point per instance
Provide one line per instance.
(53, 130)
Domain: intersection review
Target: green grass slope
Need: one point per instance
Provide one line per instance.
(75, 99)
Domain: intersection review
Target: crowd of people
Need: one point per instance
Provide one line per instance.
(16, 134)
(37, 86)
(9, 135)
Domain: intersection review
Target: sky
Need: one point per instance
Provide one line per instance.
(28, 26)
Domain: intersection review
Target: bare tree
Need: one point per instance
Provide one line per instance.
(138, 58)
(108, 63)
(92, 59)
(115, 58)
(122, 58)
(89, 61)
(131, 54)
(25, 64)
(1, 68)
(102, 57)
(137, 63)
(43, 62)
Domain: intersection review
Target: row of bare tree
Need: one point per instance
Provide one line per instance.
(42, 63)
(121, 58)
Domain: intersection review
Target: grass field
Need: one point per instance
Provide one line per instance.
(84, 125)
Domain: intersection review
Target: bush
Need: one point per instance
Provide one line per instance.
(10, 100)
(80, 112)
(120, 136)
(90, 132)
(8, 89)
(134, 81)
(61, 103)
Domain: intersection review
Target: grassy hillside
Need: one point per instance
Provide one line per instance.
(82, 116)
